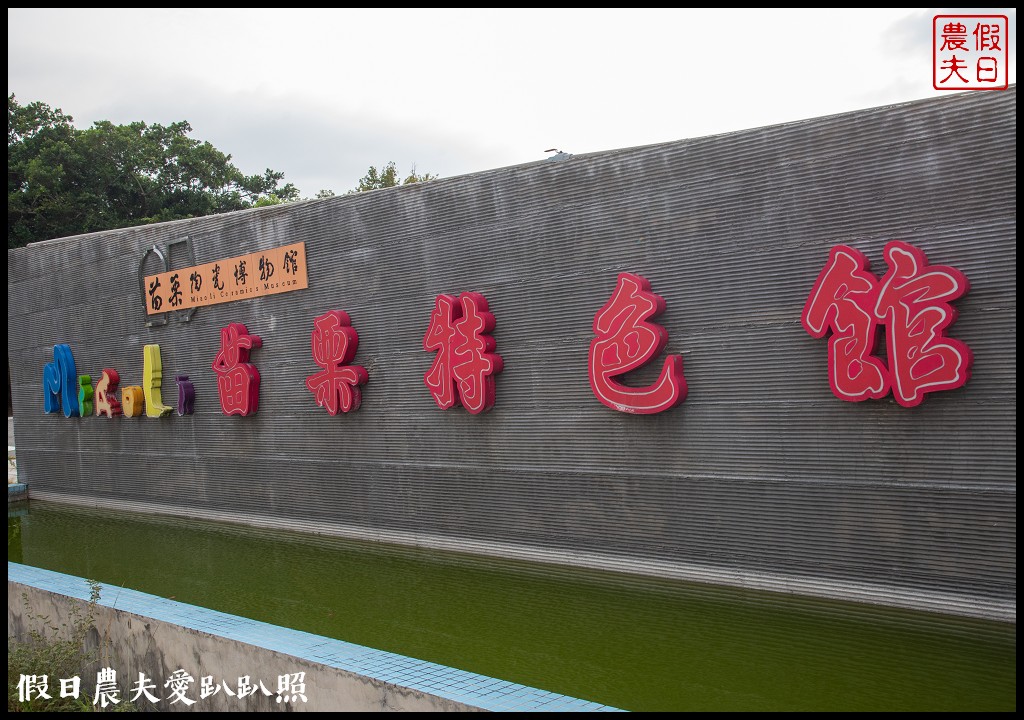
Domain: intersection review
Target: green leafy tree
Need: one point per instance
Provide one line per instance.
(388, 177)
(65, 181)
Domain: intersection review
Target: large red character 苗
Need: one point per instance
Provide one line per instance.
(238, 381)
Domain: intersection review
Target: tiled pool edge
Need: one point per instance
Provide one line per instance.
(451, 686)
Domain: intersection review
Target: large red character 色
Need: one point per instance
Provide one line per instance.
(625, 341)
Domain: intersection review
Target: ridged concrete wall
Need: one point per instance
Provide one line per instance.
(762, 477)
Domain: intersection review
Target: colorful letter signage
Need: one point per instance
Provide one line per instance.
(464, 368)
(186, 395)
(106, 394)
(911, 301)
(238, 381)
(334, 344)
(152, 377)
(60, 383)
(85, 395)
(257, 274)
(626, 341)
(133, 401)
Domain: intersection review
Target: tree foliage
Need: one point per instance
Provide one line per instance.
(388, 177)
(65, 181)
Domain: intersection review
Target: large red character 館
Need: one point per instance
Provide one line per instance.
(625, 341)
(913, 304)
(464, 368)
(334, 344)
(238, 381)
(843, 301)
(910, 302)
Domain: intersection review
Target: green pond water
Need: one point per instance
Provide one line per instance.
(632, 643)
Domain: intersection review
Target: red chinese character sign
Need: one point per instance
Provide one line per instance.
(334, 345)
(843, 301)
(911, 302)
(626, 341)
(464, 368)
(238, 381)
(970, 52)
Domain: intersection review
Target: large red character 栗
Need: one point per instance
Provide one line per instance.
(625, 341)
(843, 300)
(238, 381)
(334, 344)
(464, 368)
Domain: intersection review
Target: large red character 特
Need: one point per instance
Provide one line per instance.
(463, 370)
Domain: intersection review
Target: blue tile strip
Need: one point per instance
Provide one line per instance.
(16, 491)
(427, 677)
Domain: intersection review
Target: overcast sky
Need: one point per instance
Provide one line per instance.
(323, 94)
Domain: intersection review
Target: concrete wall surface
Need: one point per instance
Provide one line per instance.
(762, 477)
